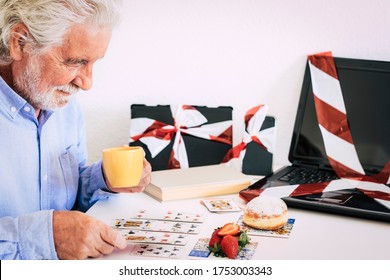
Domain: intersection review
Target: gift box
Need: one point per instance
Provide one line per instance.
(254, 155)
(181, 136)
(258, 159)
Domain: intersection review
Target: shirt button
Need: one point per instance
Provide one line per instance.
(27, 109)
(45, 178)
(13, 109)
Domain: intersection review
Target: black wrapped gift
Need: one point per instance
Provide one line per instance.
(254, 155)
(182, 136)
(258, 160)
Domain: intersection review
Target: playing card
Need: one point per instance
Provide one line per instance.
(247, 252)
(221, 205)
(139, 236)
(170, 216)
(157, 225)
(156, 250)
(200, 249)
(285, 231)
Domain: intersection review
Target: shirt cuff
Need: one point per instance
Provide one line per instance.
(97, 172)
(102, 191)
(36, 236)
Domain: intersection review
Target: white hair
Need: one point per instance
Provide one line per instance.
(49, 20)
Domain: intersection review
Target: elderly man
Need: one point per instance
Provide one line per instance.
(47, 51)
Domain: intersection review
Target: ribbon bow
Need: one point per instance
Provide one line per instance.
(265, 138)
(157, 135)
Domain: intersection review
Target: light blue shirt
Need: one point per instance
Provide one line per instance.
(42, 168)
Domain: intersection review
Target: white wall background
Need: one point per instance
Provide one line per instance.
(238, 53)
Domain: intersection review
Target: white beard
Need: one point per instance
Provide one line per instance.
(27, 86)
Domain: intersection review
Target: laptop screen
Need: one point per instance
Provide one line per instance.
(366, 91)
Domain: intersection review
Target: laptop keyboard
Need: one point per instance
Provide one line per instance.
(303, 175)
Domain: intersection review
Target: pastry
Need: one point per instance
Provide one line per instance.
(266, 212)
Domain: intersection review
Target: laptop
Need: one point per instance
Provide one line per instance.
(365, 85)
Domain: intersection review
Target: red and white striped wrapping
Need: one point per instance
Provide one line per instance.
(265, 138)
(157, 135)
(332, 117)
(379, 192)
(339, 146)
(333, 122)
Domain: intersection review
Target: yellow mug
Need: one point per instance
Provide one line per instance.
(123, 165)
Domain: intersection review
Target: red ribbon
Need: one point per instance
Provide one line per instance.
(157, 130)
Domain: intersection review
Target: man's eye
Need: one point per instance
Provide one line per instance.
(75, 63)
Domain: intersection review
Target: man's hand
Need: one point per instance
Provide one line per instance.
(79, 236)
(145, 180)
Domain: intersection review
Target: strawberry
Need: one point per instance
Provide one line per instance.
(215, 238)
(229, 245)
(229, 229)
(232, 244)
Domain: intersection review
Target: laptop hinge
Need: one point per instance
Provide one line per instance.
(300, 164)
(312, 165)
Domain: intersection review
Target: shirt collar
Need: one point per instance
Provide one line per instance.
(12, 102)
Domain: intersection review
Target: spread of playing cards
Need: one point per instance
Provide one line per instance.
(159, 234)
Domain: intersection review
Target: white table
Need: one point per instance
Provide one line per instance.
(317, 236)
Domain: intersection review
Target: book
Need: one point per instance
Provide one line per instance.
(200, 181)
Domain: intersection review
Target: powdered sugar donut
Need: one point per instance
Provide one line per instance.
(266, 212)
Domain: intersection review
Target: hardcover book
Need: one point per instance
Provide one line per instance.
(200, 181)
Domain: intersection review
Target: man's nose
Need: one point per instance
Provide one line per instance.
(84, 78)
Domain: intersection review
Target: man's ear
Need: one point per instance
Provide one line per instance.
(18, 40)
